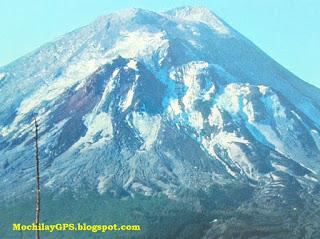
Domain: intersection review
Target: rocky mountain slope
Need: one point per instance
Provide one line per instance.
(148, 103)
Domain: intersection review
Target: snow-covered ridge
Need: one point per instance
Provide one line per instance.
(200, 14)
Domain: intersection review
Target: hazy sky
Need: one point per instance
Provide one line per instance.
(288, 30)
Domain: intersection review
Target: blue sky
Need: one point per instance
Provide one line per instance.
(288, 30)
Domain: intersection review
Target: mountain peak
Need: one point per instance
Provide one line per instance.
(200, 14)
(128, 13)
(191, 9)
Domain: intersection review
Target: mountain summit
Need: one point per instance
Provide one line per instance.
(148, 103)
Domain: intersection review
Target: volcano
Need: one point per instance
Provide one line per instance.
(162, 111)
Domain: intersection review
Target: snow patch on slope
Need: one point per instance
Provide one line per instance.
(231, 99)
(107, 90)
(102, 183)
(230, 143)
(132, 64)
(270, 136)
(100, 130)
(174, 107)
(127, 101)
(200, 14)
(2, 75)
(147, 127)
(140, 44)
(125, 104)
(196, 120)
(316, 138)
(191, 80)
(194, 85)
(215, 117)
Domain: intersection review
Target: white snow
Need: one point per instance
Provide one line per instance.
(192, 78)
(142, 188)
(174, 107)
(298, 116)
(196, 120)
(199, 14)
(263, 89)
(208, 145)
(128, 100)
(227, 138)
(279, 167)
(147, 127)
(132, 64)
(316, 138)
(54, 90)
(248, 110)
(140, 44)
(208, 95)
(2, 75)
(107, 90)
(275, 177)
(115, 73)
(271, 136)
(215, 117)
(100, 126)
(102, 183)
(230, 142)
(312, 178)
(230, 99)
